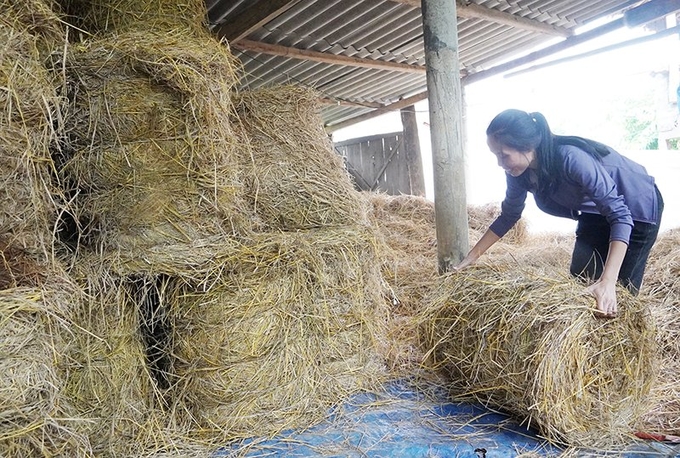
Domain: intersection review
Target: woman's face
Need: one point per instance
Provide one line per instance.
(512, 161)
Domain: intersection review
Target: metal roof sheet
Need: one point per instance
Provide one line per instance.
(388, 31)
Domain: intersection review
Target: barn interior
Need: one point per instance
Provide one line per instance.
(191, 268)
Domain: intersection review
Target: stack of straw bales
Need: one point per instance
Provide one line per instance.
(532, 346)
(231, 238)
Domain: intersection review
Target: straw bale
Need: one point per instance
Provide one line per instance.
(27, 107)
(35, 419)
(38, 18)
(662, 286)
(293, 177)
(109, 381)
(99, 16)
(290, 328)
(409, 263)
(17, 268)
(531, 345)
(151, 148)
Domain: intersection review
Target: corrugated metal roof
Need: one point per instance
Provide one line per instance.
(388, 31)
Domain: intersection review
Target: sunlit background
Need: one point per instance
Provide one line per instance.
(622, 97)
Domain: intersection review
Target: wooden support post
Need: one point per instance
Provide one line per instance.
(440, 31)
(414, 159)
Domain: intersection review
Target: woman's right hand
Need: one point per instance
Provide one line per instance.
(466, 262)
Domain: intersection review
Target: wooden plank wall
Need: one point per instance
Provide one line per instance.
(377, 163)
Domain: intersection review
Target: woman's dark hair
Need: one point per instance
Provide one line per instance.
(524, 132)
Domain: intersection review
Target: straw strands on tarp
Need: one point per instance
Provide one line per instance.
(293, 177)
(287, 331)
(35, 418)
(151, 153)
(531, 345)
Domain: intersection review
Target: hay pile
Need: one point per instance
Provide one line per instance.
(292, 176)
(531, 345)
(35, 418)
(407, 225)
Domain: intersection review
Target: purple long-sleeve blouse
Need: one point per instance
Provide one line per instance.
(615, 187)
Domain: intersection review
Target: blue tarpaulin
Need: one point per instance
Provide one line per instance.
(404, 422)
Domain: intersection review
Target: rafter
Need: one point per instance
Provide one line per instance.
(251, 19)
(380, 111)
(305, 54)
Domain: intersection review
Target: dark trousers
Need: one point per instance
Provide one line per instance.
(592, 246)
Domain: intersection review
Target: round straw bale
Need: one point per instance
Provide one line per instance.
(97, 16)
(407, 226)
(151, 150)
(33, 412)
(289, 329)
(292, 175)
(531, 345)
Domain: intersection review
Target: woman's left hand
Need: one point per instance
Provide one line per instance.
(605, 296)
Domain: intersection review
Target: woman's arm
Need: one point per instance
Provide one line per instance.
(487, 240)
(604, 289)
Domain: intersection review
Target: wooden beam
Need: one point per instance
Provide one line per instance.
(649, 11)
(474, 11)
(348, 103)
(623, 44)
(541, 53)
(440, 36)
(306, 54)
(380, 111)
(414, 159)
(251, 19)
